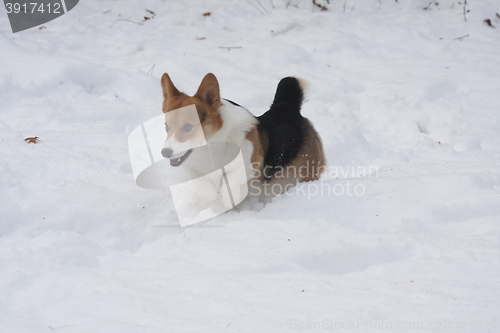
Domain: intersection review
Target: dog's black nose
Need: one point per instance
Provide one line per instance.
(166, 152)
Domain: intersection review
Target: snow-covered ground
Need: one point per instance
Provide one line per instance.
(392, 87)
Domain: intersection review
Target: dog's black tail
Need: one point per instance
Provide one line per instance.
(283, 126)
(289, 96)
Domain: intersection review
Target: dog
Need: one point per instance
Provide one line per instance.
(279, 148)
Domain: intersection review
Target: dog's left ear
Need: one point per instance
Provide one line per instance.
(169, 90)
(209, 92)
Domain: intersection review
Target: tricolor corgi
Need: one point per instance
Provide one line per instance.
(280, 148)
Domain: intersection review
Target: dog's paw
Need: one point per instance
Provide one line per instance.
(207, 191)
(226, 199)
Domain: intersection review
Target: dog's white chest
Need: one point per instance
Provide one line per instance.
(237, 122)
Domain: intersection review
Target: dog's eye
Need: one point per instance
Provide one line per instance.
(187, 127)
(166, 127)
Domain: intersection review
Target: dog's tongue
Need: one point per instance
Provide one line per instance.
(175, 161)
(178, 161)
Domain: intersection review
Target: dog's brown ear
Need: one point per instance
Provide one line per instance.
(209, 92)
(169, 90)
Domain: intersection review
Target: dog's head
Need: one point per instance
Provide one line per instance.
(185, 128)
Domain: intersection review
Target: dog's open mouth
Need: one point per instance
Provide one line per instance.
(178, 161)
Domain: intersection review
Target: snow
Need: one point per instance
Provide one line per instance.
(83, 248)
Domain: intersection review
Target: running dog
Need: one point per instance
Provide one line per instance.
(280, 148)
